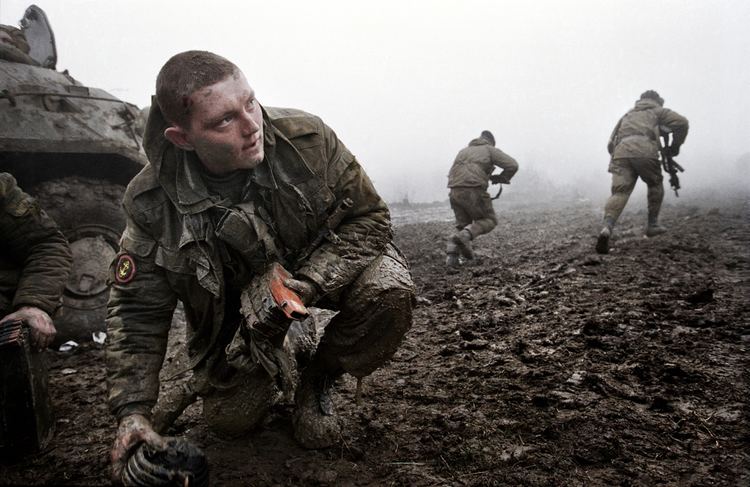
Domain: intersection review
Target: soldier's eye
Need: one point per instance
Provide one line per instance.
(225, 121)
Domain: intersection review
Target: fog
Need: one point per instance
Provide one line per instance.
(407, 84)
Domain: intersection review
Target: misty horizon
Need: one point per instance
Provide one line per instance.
(407, 85)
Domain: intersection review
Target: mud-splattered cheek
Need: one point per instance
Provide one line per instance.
(215, 153)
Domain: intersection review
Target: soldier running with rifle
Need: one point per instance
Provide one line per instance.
(634, 147)
(468, 180)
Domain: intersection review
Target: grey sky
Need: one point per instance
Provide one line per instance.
(408, 84)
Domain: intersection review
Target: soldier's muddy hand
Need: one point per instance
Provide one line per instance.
(133, 430)
(306, 290)
(41, 328)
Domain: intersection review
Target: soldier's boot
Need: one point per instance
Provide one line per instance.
(316, 424)
(654, 229)
(463, 242)
(602, 243)
(451, 254)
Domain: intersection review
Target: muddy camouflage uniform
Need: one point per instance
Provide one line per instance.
(171, 237)
(35, 259)
(634, 147)
(468, 180)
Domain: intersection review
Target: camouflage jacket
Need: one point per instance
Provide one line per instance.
(475, 163)
(637, 132)
(35, 259)
(171, 242)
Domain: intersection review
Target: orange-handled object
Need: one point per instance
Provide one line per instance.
(287, 300)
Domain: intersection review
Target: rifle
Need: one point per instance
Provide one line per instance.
(670, 165)
(498, 179)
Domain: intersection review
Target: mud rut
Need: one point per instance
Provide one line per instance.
(542, 364)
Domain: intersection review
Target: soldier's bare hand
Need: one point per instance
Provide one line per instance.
(132, 431)
(306, 290)
(41, 328)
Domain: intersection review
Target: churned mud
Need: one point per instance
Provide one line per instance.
(542, 363)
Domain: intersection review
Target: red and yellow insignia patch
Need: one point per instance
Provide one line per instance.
(125, 270)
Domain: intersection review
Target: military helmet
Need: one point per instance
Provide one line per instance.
(652, 95)
(487, 135)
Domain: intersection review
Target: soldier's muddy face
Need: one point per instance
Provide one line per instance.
(226, 126)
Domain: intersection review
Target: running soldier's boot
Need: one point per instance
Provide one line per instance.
(602, 243)
(463, 241)
(451, 254)
(316, 424)
(653, 229)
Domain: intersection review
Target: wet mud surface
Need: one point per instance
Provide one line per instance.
(542, 363)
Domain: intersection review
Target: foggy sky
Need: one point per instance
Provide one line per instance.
(406, 84)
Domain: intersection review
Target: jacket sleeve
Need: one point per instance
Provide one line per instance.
(365, 231)
(613, 138)
(139, 316)
(32, 239)
(676, 123)
(504, 162)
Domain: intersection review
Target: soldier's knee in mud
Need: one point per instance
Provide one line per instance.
(361, 349)
(397, 305)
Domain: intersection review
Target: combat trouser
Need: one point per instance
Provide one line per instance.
(473, 210)
(374, 314)
(625, 173)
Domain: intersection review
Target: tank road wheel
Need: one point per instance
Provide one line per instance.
(89, 213)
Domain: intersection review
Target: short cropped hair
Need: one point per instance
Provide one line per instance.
(184, 74)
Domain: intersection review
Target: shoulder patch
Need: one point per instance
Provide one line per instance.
(125, 269)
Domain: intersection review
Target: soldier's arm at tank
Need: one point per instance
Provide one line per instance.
(364, 232)
(677, 124)
(139, 315)
(504, 162)
(31, 237)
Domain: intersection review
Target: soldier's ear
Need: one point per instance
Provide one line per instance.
(178, 137)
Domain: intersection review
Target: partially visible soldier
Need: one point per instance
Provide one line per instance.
(468, 180)
(13, 45)
(634, 147)
(34, 263)
(231, 187)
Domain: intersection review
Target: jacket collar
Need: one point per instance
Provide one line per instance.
(646, 104)
(479, 141)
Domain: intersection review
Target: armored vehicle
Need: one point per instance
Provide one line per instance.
(74, 148)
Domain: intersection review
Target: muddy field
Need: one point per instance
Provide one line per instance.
(540, 364)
